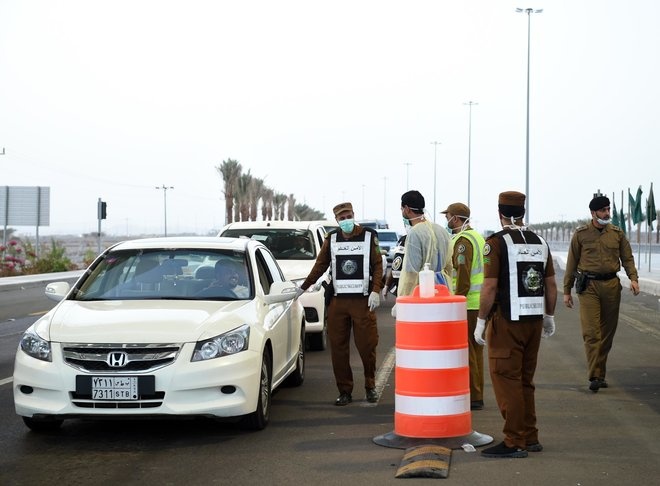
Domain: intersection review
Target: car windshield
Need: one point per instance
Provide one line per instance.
(189, 274)
(284, 243)
(388, 236)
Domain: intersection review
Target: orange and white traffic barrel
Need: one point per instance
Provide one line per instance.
(432, 378)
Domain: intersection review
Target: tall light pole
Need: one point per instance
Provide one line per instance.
(529, 12)
(470, 104)
(435, 177)
(165, 188)
(407, 164)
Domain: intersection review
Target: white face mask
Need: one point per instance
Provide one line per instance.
(604, 222)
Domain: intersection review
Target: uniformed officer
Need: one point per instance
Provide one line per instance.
(518, 300)
(597, 252)
(353, 254)
(467, 278)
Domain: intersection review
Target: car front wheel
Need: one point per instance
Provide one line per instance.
(297, 377)
(258, 419)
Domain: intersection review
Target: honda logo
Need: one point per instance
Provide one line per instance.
(117, 359)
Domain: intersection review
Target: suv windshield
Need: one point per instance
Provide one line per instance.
(167, 274)
(284, 243)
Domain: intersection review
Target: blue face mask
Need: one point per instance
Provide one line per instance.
(347, 225)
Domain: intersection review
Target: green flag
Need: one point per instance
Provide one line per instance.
(615, 217)
(651, 214)
(636, 212)
(622, 218)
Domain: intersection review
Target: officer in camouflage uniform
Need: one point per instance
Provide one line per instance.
(597, 252)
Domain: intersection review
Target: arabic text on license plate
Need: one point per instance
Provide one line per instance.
(114, 388)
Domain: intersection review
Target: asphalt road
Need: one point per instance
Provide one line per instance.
(589, 439)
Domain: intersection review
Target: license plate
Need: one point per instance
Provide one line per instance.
(114, 388)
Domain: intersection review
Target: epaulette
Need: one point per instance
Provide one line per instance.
(616, 228)
(581, 228)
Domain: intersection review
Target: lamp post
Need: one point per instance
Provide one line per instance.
(407, 164)
(529, 12)
(435, 178)
(165, 188)
(470, 104)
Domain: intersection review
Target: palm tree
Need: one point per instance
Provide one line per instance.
(267, 204)
(230, 171)
(256, 192)
(242, 210)
(291, 203)
(279, 201)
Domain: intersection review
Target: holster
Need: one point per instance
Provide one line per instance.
(581, 281)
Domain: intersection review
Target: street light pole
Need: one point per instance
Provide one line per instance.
(407, 164)
(529, 12)
(165, 188)
(469, 104)
(435, 177)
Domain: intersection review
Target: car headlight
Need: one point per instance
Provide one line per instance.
(34, 346)
(231, 342)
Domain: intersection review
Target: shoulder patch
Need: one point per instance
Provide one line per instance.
(486, 249)
(461, 248)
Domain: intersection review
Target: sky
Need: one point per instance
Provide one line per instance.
(329, 101)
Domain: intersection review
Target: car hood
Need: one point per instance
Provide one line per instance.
(162, 321)
(296, 269)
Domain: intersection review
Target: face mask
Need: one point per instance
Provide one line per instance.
(604, 222)
(449, 228)
(347, 225)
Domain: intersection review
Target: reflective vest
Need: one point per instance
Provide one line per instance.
(350, 263)
(477, 273)
(521, 283)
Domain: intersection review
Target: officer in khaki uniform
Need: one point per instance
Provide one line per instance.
(518, 299)
(468, 276)
(353, 254)
(597, 252)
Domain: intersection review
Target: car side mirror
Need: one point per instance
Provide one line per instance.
(281, 292)
(57, 290)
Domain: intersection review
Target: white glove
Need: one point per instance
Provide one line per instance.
(393, 312)
(384, 292)
(548, 326)
(479, 331)
(374, 300)
(299, 292)
(317, 286)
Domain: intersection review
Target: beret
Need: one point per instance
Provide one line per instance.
(599, 202)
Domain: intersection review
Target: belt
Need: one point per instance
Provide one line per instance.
(600, 276)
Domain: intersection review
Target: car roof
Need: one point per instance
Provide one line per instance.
(273, 224)
(206, 242)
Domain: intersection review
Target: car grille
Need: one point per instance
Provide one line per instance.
(119, 358)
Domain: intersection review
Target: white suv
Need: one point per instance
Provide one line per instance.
(295, 245)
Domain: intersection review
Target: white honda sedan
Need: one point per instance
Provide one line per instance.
(141, 334)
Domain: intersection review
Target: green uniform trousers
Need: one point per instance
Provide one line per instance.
(346, 313)
(599, 317)
(512, 354)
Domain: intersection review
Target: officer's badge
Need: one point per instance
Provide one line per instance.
(349, 267)
(461, 248)
(486, 249)
(397, 263)
(532, 280)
